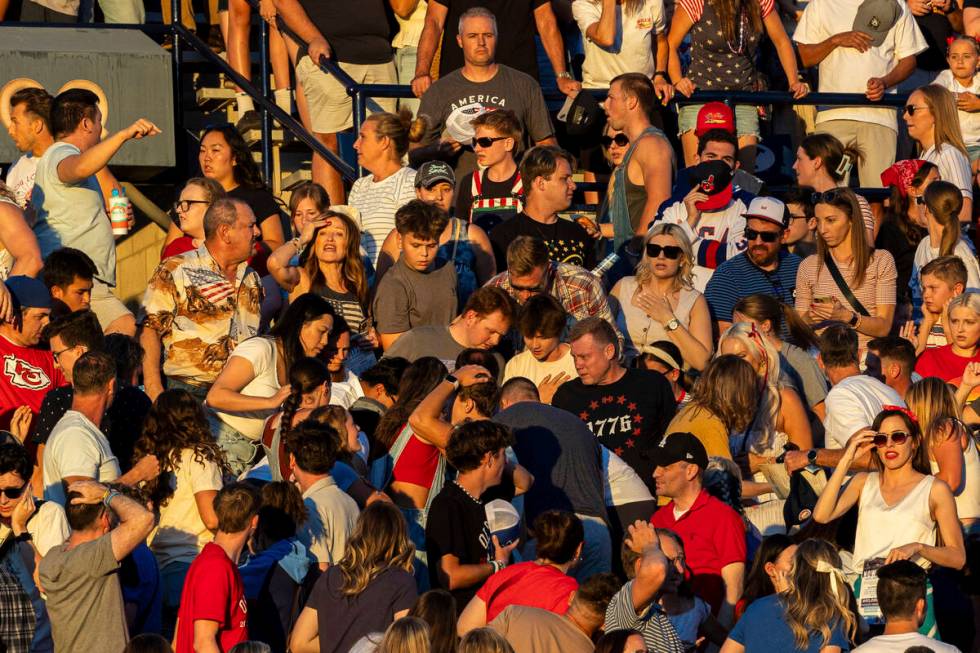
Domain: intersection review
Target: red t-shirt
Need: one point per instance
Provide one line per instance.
(942, 362)
(213, 591)
(528, 584)
(178, 246)
(713, 536)
(28, 374)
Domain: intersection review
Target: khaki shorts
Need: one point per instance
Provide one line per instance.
(106, 306)
(331, 108)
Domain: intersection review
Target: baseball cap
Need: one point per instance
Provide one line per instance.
(29, 292)
(681, 446)
(769, 209)
(503, 520)
(582, 115)
(431, 173)
(875, 18)
(714, 115)
(715, 180)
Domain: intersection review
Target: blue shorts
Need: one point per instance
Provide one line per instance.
(746, 119)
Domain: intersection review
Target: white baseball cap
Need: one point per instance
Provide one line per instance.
(769, 209)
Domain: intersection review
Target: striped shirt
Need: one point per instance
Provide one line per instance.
(739, 277)
(658, 633)
(877, 290)
(954, 167)
(377, 203)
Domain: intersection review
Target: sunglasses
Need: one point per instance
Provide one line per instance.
(910, 109)
(920, 199)
(764, 236)
(672, 252)
(13, 492)
(182, 206)
(621, 140)
(487, 141)
(826, 196)
(898, 437)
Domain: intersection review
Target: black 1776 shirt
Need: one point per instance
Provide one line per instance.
(628, 417)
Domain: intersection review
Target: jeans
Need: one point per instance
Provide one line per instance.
(405, 58)
(172, 580)
(239, 450)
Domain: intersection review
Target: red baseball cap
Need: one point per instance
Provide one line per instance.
(715, 115)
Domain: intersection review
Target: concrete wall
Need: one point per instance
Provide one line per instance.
(136, 259)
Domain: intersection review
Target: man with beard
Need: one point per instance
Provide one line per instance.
(764, 267)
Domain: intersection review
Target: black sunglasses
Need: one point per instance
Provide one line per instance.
(13, 492)
(672, 252)
(898, 437)
(910, 109)
(621, 140)
(826, 196)
(487, 141)
(764, 236)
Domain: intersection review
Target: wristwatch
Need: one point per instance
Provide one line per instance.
(672, 325)
(452, 379)
(854, 320)
(811, 456)
(564, 75)
(662, 73)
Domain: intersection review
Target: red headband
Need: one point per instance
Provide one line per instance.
(950, 39)
(900, 174)
(905, 411)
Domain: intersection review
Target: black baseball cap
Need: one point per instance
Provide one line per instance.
(677, 447)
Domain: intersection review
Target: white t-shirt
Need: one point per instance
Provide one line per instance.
(20, 178)
(410, 29)
(852, 405)
(261, 353)
(633, 47)
(954, 167)
(181, 534)
(726, 225)
(900, 643)
(377, 202)
(621, 484)
(925, 253)
(76, 447)
(72, 214)
(845, 70)
(969, 122)
(526, 365)
(345, 393)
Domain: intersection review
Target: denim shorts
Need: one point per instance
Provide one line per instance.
(746, 119)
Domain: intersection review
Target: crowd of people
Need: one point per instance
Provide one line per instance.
(443, 410)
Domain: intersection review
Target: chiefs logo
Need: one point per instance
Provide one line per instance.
(24, 375)
(708, 185)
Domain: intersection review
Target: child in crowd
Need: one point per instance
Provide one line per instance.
(495, 192)
(943, 202)
(941, 280)
(963, 54)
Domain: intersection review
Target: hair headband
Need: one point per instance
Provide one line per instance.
(845, 165)
(905, 411)
(662, 355)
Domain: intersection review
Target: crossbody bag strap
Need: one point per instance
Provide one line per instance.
(844, 288)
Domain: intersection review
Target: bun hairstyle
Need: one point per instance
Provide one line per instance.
(401, 128)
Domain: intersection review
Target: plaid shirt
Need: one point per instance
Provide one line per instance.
(576, 289)
(199, 314)
(17, 618)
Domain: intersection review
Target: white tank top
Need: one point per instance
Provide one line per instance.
(881, 528)
(968, 496)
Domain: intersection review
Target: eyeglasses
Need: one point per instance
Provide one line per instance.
(621, 140)
(13, 492)
(910, 109)
(764, 236)
(182, 206)
(57, 354)
(486, 141)
(898, 437)
(826, 196)
(672, 252)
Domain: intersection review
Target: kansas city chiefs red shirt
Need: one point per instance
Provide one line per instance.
(26, 375)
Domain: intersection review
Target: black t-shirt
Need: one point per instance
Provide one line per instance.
(892, 240)
(358, 33)
(629, 416)
(122, 424)
(567, 241)
(515, 39)
(457, 525)
(561, 454)
(490, 217)
(262, 202)
(935, 29)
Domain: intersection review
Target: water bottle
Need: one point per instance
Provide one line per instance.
(119, 213)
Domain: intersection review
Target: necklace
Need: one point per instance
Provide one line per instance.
(741, 35)
(466, 492)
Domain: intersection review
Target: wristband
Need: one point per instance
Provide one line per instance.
(298, 244)
(109, 496)
(662, 73)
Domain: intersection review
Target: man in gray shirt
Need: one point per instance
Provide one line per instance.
(415, 292)
(68, 201)
(85, 601)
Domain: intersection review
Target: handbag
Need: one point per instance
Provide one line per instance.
(844, 288)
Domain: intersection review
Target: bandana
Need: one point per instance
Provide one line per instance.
(900, 174)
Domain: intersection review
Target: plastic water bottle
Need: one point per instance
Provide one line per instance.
(119, 213)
